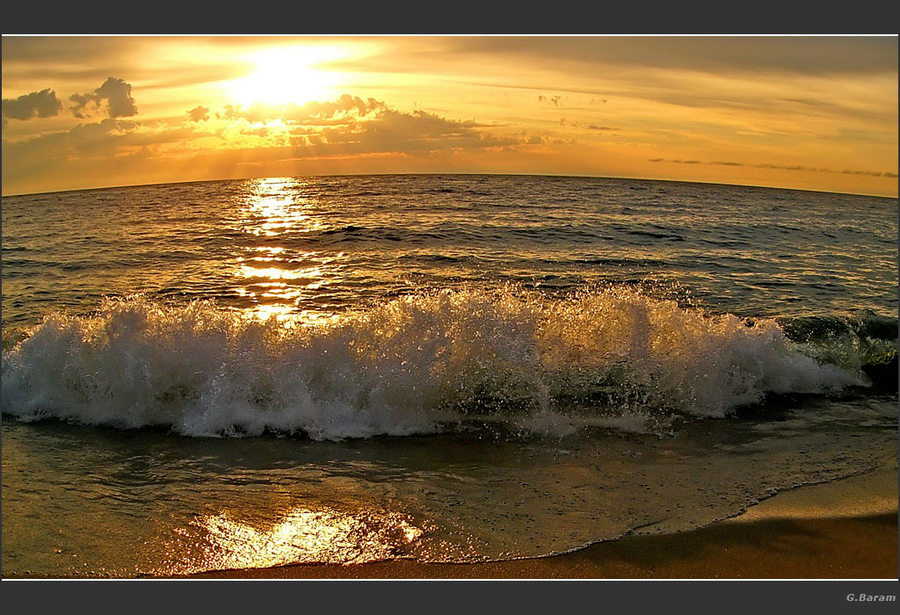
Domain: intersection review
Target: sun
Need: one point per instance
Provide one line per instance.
(285, 75)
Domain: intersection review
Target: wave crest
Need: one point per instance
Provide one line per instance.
(405, 367)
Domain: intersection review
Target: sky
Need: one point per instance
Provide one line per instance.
(806, 112)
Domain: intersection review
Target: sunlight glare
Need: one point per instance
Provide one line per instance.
(285, 75)
(303, 536)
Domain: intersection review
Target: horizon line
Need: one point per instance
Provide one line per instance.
(574, 176)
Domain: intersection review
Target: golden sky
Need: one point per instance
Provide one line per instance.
(816, 113)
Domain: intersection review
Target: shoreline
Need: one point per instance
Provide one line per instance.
(836, 530)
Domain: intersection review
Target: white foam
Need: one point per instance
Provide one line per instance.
(401, 368)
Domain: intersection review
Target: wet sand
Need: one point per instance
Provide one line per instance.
(841, 530)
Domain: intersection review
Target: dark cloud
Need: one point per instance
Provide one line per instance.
(81, 101)
(36, 104)
(116, 93)
(199, 114)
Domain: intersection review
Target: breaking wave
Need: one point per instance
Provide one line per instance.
(418, 364)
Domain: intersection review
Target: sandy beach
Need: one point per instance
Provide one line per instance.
(841, 530)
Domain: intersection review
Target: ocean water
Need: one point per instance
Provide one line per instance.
(234, 374)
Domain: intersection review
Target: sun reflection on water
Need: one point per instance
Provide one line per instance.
(275, 273)
(276, 277)
(280, 205)
(300, 536)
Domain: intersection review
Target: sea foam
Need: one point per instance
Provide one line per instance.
(409, 366)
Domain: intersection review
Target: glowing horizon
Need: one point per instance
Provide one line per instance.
(809, 113)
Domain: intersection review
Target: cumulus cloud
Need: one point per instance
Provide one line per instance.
(352, 125)
(116, 93)
(389, 130)
(199, 114)
(36, 104)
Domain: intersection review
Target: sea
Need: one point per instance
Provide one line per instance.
(445, 368)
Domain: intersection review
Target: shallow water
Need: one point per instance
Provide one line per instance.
(87, 501)
(456, 368)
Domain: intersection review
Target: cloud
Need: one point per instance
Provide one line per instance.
(81, 101)
(553, 100)
(872, 173)
(257, 132)
(230, 112)
(110, 152)
(821, 55)
(352, 125)
(677, 161)
(98, 141)
(315, 111)
(780, 167)
(575, 124)
(40, 104)
(117, 94)
(199, 114)
(392, 131)
(349, 128)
